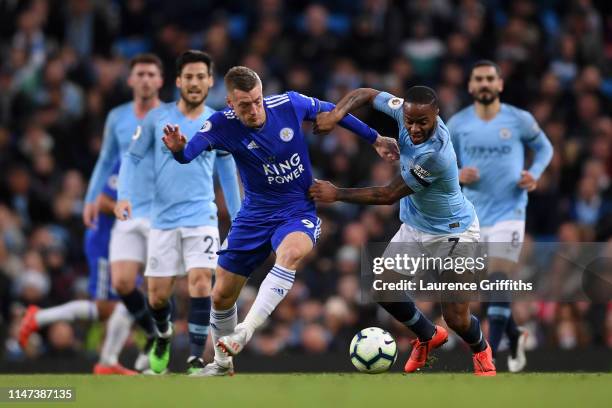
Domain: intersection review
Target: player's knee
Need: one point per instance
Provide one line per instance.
(199, 284)
(222, 299)
(290, 257)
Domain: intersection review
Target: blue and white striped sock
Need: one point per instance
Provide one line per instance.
(273, 289)
(222, 323)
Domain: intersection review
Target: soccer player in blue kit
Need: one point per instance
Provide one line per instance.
(264, 135)
(490, 139)
(432, 210)
(184, 234)
(103, 303)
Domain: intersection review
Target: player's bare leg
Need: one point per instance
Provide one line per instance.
(83, 310)
(272, 291)
(199, 285)
(159, 291)
(223, 320)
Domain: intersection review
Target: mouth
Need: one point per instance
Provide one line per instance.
(417, 137)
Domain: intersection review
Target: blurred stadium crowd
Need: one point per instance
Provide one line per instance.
(63, 66)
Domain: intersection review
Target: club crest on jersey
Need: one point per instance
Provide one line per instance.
(113, 182)
(395, 103)
(286, 134)
(137, 133)
(505, 134)
(206, 126)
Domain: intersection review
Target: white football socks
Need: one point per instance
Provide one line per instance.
(222, 323)
(68, 312)
(117, 332)
(273, 289)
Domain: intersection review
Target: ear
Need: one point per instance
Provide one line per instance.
(211, 81)
(229, 102)
(178, 82)
(501, 85)
(130, 81)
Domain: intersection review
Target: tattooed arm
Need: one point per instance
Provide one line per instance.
(355, 99)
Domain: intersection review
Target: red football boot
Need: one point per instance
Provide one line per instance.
(28, 325)
(115, 369)
(421, 349)
(483, 363)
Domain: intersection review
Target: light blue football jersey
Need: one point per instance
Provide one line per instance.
(437, 205)
(497, 149)
(121, 125)
(183, 194)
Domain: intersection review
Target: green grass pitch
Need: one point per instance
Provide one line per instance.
(326, 390)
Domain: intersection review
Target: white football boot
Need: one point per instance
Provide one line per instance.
(517, 364)
(215, 369)
(233, 344)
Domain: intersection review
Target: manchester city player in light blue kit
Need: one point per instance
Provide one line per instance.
(184, 234)
(271, 151)
(490, 139)
(432, 210)
(128, 245)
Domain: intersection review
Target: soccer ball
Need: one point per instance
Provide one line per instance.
(373, 350)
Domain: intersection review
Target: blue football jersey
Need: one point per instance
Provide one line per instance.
(97, 238)
(121, 126)
(497, 149)
(273, 161)
(183, 194)
(437, 205)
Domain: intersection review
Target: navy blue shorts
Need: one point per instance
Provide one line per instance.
(99, 286)
(250, 240)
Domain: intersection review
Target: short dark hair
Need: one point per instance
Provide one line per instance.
(422, 95)
(486, 63)
(147, 58)
(191, 56)
(241, 78)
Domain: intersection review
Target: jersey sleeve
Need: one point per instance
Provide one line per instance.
(209, 137)
(109, 153)
(391, 105)
(228, 178)
(110, 188)
(425, 169)
(306, 107)
(453, 131)
(536, 140)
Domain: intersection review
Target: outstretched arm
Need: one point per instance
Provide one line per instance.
(182, 151)
(324, 115)
(355, 99)
(326, 192)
